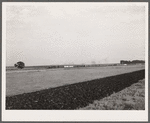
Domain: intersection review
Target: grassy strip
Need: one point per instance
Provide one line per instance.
(75, 95)
(131, 98)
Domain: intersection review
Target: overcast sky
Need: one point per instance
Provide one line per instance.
(64, 33)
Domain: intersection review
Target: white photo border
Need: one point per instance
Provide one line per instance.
(71, 115)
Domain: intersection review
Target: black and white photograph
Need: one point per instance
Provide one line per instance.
(79, 61)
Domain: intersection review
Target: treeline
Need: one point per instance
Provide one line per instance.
(132, 62)
(76, 66)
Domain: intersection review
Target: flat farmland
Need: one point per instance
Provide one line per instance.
(24, 81)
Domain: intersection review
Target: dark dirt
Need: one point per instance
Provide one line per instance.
(73, 96)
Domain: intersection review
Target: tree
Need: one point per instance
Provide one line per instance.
(19, 64)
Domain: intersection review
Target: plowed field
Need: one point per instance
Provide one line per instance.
(74, 96)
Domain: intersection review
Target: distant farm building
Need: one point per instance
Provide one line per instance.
(68, 66)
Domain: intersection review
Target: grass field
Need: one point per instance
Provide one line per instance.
(130, 98)
(28, 81)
